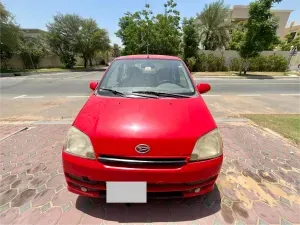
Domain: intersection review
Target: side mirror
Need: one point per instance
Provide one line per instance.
(93, 85)
(203, 88)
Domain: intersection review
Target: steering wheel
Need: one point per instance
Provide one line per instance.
(170, 82)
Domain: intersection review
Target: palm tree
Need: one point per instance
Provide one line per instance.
(214, 24)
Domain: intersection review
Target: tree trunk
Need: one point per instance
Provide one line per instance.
(85, 62)
(91, 62)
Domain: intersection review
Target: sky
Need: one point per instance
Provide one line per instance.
(37, 13)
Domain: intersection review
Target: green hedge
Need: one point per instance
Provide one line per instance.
(208, 62)
(273, 63)
(212, 63)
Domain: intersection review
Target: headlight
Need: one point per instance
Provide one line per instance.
(208, 146)
(79, 144)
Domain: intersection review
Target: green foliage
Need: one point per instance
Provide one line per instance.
(274, 63)
(258, 63)
(116, 51)
(190, 38)
(70, 34)
(236, 64)
(142, 30)
(9, 35)
(278, 63)
(221, 64)
(289, 42)
(32, 50)
(191, 62)
(213, 63)
(238, 34)
(201, 62)
(209, 62)
(68, 59)
(260, 29)
(214, 25)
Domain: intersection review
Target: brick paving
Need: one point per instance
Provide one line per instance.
(259, 184)
(7, 130)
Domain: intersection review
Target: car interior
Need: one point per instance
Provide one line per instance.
(149, 76)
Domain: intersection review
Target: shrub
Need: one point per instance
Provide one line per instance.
(201, 62)
(278, 63)
(273, 63)
(258, 63)
(212, 63)
(191, 62)
(236, 64)
(220, 61)
(68, 60)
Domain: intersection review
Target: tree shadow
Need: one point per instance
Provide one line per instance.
(175, 210)
(254, 76)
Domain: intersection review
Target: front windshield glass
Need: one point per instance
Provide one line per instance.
(130, 75)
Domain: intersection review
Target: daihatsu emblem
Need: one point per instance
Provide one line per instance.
(142, 148)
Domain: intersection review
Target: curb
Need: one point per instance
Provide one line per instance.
(258, 77)
(18, 74)
(70, 121)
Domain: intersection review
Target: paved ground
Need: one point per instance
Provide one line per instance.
(259, 184)
(61, 96)
(57, 108)
(77, 84)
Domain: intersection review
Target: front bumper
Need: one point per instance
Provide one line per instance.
(170, 182)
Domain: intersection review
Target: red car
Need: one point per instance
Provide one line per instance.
(145, 124)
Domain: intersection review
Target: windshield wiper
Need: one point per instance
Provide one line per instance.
(162, 94)
(113, 91)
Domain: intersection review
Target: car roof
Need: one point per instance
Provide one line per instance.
(148, 57)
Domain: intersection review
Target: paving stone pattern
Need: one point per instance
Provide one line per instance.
(259, 184)
(7, 130)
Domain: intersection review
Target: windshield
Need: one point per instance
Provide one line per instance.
(130, 75)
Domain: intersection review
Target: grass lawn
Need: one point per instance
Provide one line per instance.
(294, 72)
(58, 69)
(221, 73)
(235, 73)
(287, 125)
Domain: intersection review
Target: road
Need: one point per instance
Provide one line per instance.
(61, 96)
(77, 84)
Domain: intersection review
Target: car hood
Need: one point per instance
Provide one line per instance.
(170, 127)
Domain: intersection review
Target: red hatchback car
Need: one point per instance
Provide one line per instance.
(145, 124)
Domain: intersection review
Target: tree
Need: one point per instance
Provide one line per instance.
(190, 38)
(90, 39)
(130, 32)
(61, 40)
(32, 49)
(237, 36)
(260, 30)
(143, 32)
(116, 51)
(289, 42)
(70, 35)
(214, 25)
(9, 35)
(168, 32)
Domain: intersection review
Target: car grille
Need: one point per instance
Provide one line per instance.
(112, 160)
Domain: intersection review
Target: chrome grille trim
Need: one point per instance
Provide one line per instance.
(142, 161)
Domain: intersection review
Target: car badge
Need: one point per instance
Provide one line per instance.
(142, 148)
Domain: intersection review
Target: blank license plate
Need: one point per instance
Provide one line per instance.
(126, 192)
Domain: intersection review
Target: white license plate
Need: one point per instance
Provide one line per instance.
(126, 192)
